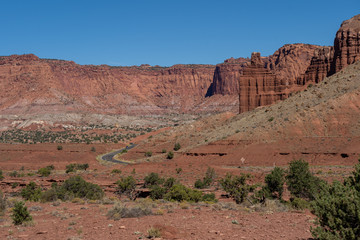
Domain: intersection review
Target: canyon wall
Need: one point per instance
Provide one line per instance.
(40, 85)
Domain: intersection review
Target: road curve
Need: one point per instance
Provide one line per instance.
(109, 157)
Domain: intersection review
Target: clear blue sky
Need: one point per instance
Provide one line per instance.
(165, 32)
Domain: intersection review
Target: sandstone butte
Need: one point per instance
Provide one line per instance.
(32, 85)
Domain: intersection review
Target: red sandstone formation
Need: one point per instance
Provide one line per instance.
(36, 85)
(33, 85)
(347, 44)
(258, 85)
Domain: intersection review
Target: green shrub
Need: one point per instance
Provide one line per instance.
(337, 208)
(199, 184)
(180, 193)
(14, 174)
(236, 186)
(3, 204)
(121, 211)
(127, 186)
(170, 155)
(59, 147)
(31, 192)
(301, 182)
(275, 181)
(44, 172)
(1, 175)
(83, 166)
(77, 187)
(148, 154)
(73, 167)
(163, 151)
(178, 170)
(50, 195)
(157, 192)
(20, 213)
(209, 178)
(210, 197)
(177, 146)
(116, 171)
(50, 167)
(169, 183)
(152, 179)
(93, 149)
(74, 187)
(70, 168)
(299, 203)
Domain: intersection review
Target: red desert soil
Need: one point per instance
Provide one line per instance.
(88, 221)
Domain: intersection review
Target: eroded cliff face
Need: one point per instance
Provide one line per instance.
(40, 85)
(347, 44)
(258, 86)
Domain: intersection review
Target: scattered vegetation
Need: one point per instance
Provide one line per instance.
(209, 178)
(31, 192)
(1, 175)
(73, 167)
(236, 186)
(3, 204)
(148, 154)
(177, 146)
(59, 147)
(170, 155)
(78, 135)
(116, 171)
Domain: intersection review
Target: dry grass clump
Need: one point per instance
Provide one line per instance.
(154, 232)
(122, 211)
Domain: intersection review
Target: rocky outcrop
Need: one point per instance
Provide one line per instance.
(226, 76)
(288, 63)
(258, 86)
(347, 44)
(320, 66)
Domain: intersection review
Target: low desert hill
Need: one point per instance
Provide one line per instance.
(319, 124)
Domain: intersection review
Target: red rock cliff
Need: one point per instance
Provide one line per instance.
(39, 85)
(347, 44)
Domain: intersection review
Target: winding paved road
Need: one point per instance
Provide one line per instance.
(110, 156)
